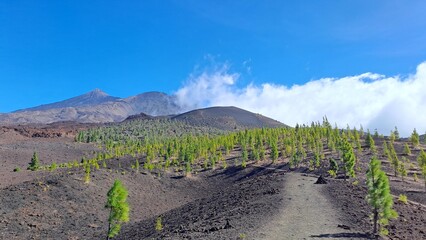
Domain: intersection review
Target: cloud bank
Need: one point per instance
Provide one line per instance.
(372, 100)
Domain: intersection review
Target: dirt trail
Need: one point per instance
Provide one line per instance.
(307, 213)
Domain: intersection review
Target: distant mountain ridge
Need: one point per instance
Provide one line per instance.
(95, 107)
(94, 97)
(99, 107)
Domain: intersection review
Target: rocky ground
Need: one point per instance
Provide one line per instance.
(18, 144)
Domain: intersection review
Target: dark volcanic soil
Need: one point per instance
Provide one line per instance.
(411, 223)
(61, 206)
(228, 212)
(16, 151)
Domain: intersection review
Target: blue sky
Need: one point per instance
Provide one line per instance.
(53, 50)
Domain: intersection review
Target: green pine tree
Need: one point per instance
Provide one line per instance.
(158, 224)
(402, 169)
(35, 163)
(244, 158)
(86, 172)
(379, 197)
(407, 150)
(188, 169)
(348, 158)
(119, 208)
(415, 140)
(371, 144)
(137, 165)
(385, 148)
(396, 132)
(393, 158)
(274, 152)
(421, 160)
(392, 137)
(376, 134)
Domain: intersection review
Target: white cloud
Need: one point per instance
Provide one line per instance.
(373, 100)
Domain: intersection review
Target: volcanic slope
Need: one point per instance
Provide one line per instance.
(94, 107)
(94, 97)
(227, 118)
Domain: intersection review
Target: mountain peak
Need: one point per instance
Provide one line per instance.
(91, 98)
(98, 106)
(98, 93)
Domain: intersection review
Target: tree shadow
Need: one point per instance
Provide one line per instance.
(240, 173)
(177, 177)
(343, 235)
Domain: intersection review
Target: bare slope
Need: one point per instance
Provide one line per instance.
(227, 118)
(94, 97)
(95, 107)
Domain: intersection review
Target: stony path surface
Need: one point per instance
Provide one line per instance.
(307, 213)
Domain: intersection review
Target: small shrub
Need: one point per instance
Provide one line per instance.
(75, 164)
(148, 166)
(415, 177)
(332, 173)
(168, 163)
(53, 166)
(224, 164)
(86, 173)
(242, 236)
(243, 164)
(136, 167)
(188, 169)
(402, 198)
(158, 224)
(17, 169)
